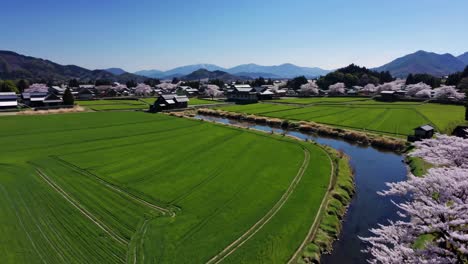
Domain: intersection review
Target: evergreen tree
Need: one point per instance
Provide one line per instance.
(73, 83)
(131, 84)
(466, 105)
(22, 85)
(8, 86)
(68, 98)
(410, 79)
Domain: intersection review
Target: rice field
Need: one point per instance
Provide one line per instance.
(192, 101)
(131, 187)
(109, 105)
(398, 118)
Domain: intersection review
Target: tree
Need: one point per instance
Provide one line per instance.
(437, 212)
(102, 82)
(448, 92)
(308, 89)
(413, 89)
(436, 229)
(466, 105)
(8, 86)
(73, 83)
(297, 82)
(68, 98)
(443, 150)
(410, 79)
(426, 93)
(22, 85)
(131, 84)
(337, 88)
(152, 82)
(217, 82)
(175, 80)
(258, 82)
(212, 91)
(463, 84)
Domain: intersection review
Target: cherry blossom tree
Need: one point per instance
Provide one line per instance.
(436, 226)
(167, 86)
(337, 88)
(413, 89)
(447, 92)
(426, 93)
(369, 88)
(391, 86)
(443, 150)
(37, 88)
(143, 89)
(310, 88)
(212, 91)
(438, 218)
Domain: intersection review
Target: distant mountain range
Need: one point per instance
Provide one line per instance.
(17, 66)
(425, 62)
(247, 70)
(464, 58)
(115, 71)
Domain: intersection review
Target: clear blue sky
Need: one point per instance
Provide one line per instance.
(161, 34)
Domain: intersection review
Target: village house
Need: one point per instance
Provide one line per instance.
(57, 90)
(86, 94)
(168, 102)
(52, 100)
(264, 93)
(8, 100)
(242, 93)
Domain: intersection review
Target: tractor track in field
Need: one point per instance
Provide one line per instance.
(231, 248)
(81, 209)
(314, 227)
(115, 188)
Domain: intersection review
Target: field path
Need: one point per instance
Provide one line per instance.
(82, 210)
(266, 218)
(314, 227)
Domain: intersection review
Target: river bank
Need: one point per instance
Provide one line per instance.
(372, 168)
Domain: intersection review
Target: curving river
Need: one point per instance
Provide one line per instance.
(373, 168)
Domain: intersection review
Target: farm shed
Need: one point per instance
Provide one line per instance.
(169, 101)
(8, 100)
(388, 95)
(425, 131)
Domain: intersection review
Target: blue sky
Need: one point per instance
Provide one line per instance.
(162, 34)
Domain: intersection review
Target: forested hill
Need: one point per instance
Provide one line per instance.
(16, 66)
(354, 75)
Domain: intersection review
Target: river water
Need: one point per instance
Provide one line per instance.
(372, 168)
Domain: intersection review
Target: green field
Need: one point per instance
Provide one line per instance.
(192, 101)
(398, 118)
(130, 187)
(109, 105)
(320, 100)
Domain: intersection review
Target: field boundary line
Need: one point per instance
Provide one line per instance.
(114, 188)
(315, 224)
(267, 217)
(85, 212)
(427, 119)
